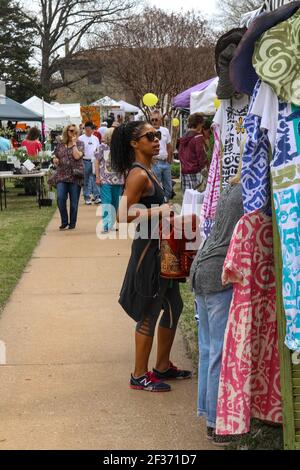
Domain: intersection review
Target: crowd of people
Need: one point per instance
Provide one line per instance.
(101, 182)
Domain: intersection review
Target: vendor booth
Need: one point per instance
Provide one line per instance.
(109, 109)
(128, 108)
(54, 118)
(204, 101)
(183, 99)
(10, 110)
(72, 110)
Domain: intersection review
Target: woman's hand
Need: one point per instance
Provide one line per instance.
(55, 161)
(166, 210)
(98, 181)
(74, 140)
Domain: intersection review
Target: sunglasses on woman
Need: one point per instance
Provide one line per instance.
(72, 130)
(151, 136)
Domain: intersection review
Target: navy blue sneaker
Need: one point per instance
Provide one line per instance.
(149, 383)
(210, 433)
(172, 373)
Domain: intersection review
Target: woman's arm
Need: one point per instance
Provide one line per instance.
(97, 172)
(77, 152)
(136, 184)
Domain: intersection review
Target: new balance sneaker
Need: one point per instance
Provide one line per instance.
(223, 441)
(210, 433)
(172, 373)
(88, 202)
(97, 201)
(148, 383)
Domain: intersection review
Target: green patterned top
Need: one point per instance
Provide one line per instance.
(276, 59)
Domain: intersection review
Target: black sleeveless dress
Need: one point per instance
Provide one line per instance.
(143, 286)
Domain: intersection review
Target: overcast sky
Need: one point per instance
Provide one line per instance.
(205, 6)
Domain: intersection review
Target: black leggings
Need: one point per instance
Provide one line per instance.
(169, 300)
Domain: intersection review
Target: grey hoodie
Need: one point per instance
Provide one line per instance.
(206, 270)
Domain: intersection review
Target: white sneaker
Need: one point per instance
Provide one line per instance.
(97, 201)
(88, 202)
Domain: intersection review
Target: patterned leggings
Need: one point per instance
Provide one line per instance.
(169, 300)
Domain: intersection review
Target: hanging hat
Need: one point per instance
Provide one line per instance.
(276, 59)
(224, 52)
(242, 73)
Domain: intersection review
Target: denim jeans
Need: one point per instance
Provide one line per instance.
(213, 310)
(63, 190)
(162, 170)
(110, 197)
(89, 181)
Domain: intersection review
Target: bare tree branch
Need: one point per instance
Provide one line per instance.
(59, 19)
(158, 52)
(232, 10)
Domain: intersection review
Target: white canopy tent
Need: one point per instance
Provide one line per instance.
(128, 108)
(72, 110)
(203, 101)
(106, 102)
(54, 117)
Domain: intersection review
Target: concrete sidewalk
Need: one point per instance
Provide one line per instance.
(70, 351)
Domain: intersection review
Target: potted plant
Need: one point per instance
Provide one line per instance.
(4, 165)
(44, 158)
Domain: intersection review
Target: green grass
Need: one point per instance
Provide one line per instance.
(21, 227)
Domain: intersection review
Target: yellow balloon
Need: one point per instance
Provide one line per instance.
(217, 103)
(150, 99)
(175, 122)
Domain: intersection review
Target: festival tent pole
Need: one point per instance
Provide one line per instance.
(43, 125)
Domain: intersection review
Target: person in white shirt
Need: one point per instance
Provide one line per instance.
(103, 129)
(162, 162)
(91, 147)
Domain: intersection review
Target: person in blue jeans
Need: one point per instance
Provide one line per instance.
(68, 177)
(111, 183)
(63, 191)
(91, 147)
(162, 162)
(213, 303)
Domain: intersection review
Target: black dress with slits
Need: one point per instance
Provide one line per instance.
(142, 282)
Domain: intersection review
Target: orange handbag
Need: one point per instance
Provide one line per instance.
(176, 259)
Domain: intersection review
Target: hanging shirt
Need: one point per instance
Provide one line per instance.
(284, 166)
(212, 191)
(230, 118)
(276, 58)
(250, 374)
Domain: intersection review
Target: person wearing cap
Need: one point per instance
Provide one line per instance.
(102, 129)
(91, 147)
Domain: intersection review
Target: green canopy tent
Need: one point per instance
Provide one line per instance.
(10, 110)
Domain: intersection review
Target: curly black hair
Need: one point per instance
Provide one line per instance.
(122, 153)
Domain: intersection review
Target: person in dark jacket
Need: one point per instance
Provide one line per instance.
(192, 154)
